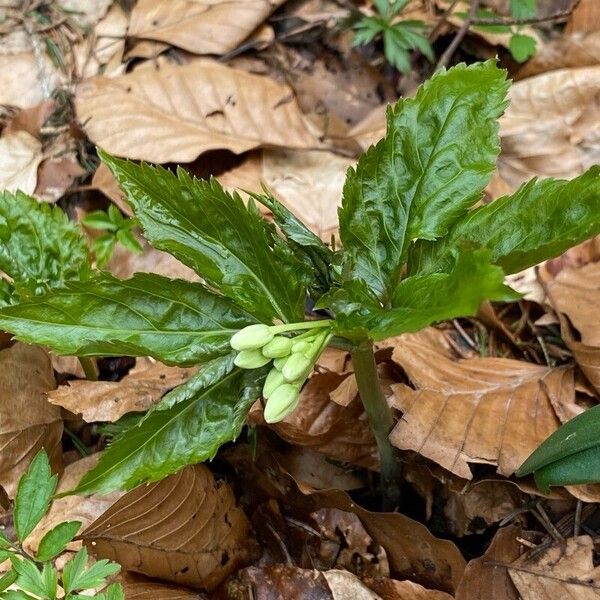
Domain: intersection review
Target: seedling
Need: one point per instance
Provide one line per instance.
(399, 37)
(415, 251)
(34, 576)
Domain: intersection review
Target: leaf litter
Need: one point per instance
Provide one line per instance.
(290, 107)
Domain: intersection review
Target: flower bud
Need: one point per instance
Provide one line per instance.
(250, 359)
(300, 347)
(278, 347)
(252, 337)
(296, 367)
(272, 382)
(281, 402)
(279, 363)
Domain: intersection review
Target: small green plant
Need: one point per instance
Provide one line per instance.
(117, 228)
(399, 37)
(34, 576)
(414, 252)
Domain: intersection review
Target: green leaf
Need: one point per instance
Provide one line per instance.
(421, 300)
(523, 9)
(175, 321)
(98, 219)
(395, 50)
(29, 577)
(95, 576)
(433, 164)
(188, 432)
(129, 241)
(34, 493)
(522, 47)
(541, 220)
(570, 456)
(7, 579)
(15, 595)
(73, 570)
(50, 580)
(56, 540)
(230, 245)
(39, 246)
(113, 592)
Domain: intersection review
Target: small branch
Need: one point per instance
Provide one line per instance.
(458, 38)
(90, 368)
(440, 23)
(557, 16)
(380, 420)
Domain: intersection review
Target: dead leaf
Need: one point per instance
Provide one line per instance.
(28, 421)
(200, 26)
(181, 111)
(585, 17)
(186, 529)
(344, 585)
(108, 401)
(552, 126)
(486, 578)
(31, 119)
(561, 571)
(138, 589)
(73, 508)
(493, 411)
(20, 155)
(55, 176)
(391, 589)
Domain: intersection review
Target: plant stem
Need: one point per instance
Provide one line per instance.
(458, 38)
(90, 368)
(380, 419)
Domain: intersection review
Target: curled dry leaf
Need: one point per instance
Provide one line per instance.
(200, 26)
(180, 111)
(73, 508)
(142, 387)
(151, 590)
(344, 585)
(560, 571)
(390, 589)
(186, 529)
(552, 126)
(484, 410)
(20, 155)
(28, 421)
(486, 577)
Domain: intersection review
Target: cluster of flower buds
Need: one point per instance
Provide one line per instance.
(293, 358)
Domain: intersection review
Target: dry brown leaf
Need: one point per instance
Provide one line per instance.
(136, 589)
(20, 155)
(73, 508)
(485, 410)
(486, 577)
(181, 111)
(585, 17)
(561, 571)
(344, 585)
(552, 126)
(28, 421)
(200, 26)
(55, 176)
(185, 528)
(108, 401)
(391, 589)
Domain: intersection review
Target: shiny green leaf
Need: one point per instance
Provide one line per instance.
(229, 244)
(174, 321)
(188, 432)
(433, 164)
(56, 540)
(541, 220)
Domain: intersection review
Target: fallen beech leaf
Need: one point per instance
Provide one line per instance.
(105, 182)
(31, 119)
(585, 17)
(484, 410)
(200, 26)
(55, 176)
(186, 529)
(28, 421)
(150, 590)
(142, 387)
(344, 585)
(20, 155)
(391, 589)
(486, 578)
(181, 111)
(552, 126)
(73, 508)
(561, 571)
(85, 13)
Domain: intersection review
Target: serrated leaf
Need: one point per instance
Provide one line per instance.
(522, 47)
(99, 220)
(434, 163)
(129, 241)
(39, 246)
(174, 321)
(96, 575)
(56, 540)
(570, 455)
(29, 577)
(421, 300)
(541, 220)
(50, 580)
(34, 493)
(73, 570)
(228, 244)
(189, 432)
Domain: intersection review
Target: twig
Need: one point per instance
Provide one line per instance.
(465, 335)
(563, 14)
(458, 38)
(440, 23)
(577, 521)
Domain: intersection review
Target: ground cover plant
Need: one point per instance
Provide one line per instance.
(416, 249)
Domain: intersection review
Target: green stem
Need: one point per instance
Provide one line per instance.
(301, 325)
(380, 419)
(90, 368)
